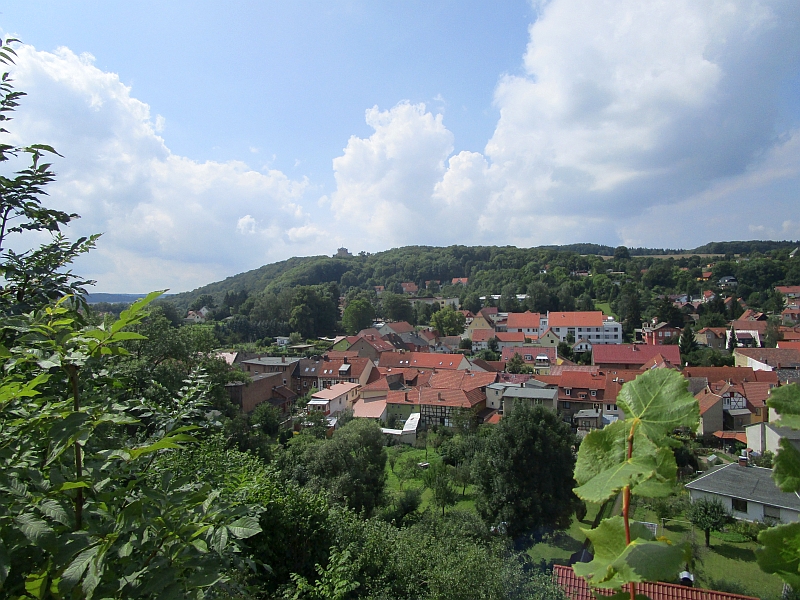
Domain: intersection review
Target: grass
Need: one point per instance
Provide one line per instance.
(557, 547)
(728, 566)
(465, 502)
(605, 307)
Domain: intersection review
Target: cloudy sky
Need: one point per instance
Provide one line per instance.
(204, 139)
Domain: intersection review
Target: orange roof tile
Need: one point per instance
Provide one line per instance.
(576, 588)
(593, 318)
(526, 320)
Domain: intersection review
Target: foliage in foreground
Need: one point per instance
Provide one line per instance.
(634, 456)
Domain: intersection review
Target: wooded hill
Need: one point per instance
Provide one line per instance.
(487, 267)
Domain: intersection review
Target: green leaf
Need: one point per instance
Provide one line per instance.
(74, 572)
(72, 485)
(616, 563)
(780, 553)
(602, 468)
(662, 482)
(660, 400)
(53, 510)
(786, 471)
(36, 530)
(785, 400)
(245, 527)
(36, 585)
(5, 563)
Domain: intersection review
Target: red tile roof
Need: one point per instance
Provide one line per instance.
(739, 436)
(526, 320)
(460, 280)
(482, 335)
(409, 287)
(582, 380)
(788, 289)
(789, 344)
(422, 360)
(633, 354)
(593, 318)
(400, 327)
(576, 588)
(461, 380)
(774, 357)
(533, 351)
(756, 393)
(510, 336)
(707, 399)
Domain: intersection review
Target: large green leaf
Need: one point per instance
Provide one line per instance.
(245, 527)
(660, 400)
(786, 471)
(780, 553)
(662, 482)
(616, 563)
(36, 530)
(603, 468)
(785, 400)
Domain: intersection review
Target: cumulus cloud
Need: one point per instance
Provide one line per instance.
(626, 111)
(167, 221)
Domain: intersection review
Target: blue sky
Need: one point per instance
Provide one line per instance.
(204, 139)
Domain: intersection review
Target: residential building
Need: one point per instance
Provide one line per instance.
(409, 287)
(712, 337)
(593, 326)
(790, 292)
(479, 322)
(345, 370)
(273, 364)
(423, 360)
(657, 334)
(711, 413)
(528, 323)
(261, 388)
(766, 437)
(335, 399)
(748, 493)
(785, 361)
(371, 347)
(632, 356)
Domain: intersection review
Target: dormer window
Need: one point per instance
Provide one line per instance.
(568, 392)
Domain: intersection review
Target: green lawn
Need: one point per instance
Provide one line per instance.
(465, 502)
(556, 548)
(727, 566)
(605, 307)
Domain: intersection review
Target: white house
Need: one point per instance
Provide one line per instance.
(333, 400)
(748, 493)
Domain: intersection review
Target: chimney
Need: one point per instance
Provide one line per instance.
(345, 360)
(283, 359)
(439, 394)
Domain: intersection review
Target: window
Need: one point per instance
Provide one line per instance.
(608, 407)
(739, 505)
(772, 512)
(568, 392)
(565, 404)
(305, 384)
(594, 392)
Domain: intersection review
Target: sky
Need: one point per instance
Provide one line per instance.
(205, 139)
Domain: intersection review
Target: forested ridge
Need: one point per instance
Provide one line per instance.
(424, 263)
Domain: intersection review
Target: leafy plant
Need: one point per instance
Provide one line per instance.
(82, 513)
(780, 551)
(634, 456)
(708, 515)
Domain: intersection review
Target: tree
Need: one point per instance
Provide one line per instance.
(358, 315)
(472, 303)
(515, 364)
(687, 342)
(524, 477)
(437, 478)
(621, 253)
(733, 343)
(773, 334)
(708, 515)
(33, 278)
(448, 321)
(396, 307)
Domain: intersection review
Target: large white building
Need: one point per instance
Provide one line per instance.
(591, 326)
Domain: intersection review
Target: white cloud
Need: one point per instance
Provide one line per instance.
(626, 110)
(167, 221)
